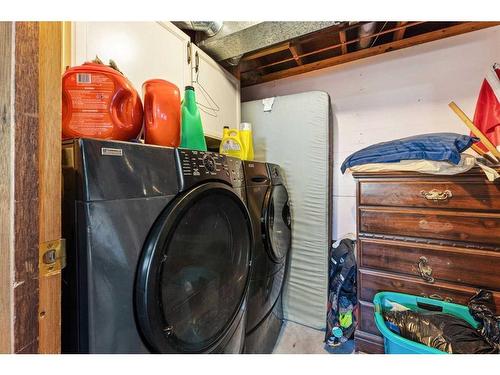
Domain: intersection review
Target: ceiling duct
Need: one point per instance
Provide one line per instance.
(234, 39)
(366, 30)
(210, 28)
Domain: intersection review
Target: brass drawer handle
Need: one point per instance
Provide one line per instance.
(436, 195)
(425, 270)
(437, 297)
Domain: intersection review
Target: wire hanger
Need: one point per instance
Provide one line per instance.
(212, 108)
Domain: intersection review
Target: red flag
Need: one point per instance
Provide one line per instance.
(487, 115)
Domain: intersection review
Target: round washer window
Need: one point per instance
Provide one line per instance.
(278, 223)
(201, 270)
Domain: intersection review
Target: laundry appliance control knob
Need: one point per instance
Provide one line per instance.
(209, 163)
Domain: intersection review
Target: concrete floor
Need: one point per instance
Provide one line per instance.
(298, 339)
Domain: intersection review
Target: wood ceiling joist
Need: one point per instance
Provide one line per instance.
(381, 32)
(398, 34)
(363, 53)
(343, 40)
(304, 39)
(266, 52)
(295, 50)
(346, 26)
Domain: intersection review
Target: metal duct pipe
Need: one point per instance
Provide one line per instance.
(238, 38)
(366, 30)
(208, 27)
(228, 41)
(234, 61)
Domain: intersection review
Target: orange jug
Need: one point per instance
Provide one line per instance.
(162, 116)
(99, 102)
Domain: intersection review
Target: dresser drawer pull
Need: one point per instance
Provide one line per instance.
(425, 270)
(436, 195)
(437, 297)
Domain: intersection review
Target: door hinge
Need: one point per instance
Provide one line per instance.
(189, 53)
(196, 62)
(52, 257)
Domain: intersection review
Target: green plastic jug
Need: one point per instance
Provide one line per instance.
(192, 136)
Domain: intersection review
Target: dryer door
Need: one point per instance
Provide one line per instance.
(193, 275)
(277, 223)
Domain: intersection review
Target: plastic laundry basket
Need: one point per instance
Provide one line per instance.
(395, 344)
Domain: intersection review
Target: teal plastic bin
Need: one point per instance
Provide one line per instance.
(395, 344)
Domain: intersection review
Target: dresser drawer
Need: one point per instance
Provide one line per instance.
(479, 227)
(477, 268)
(372, 282)
(366, 343)
(367, 319)
(471, 195)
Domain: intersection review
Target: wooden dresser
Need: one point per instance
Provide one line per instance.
(435, 236)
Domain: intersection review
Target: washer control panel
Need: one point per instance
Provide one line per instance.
(196, 166)
(209, 163)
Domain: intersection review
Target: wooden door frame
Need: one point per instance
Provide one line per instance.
(50, 175)
(30, 187)
(6, 186)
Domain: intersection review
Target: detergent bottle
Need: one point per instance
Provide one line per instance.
(231, 144)
(98, 101)
(162, 117)
(246, 138)
(225, 131)
(192, 136)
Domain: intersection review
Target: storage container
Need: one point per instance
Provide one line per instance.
(192, 135)
(395, 344)
(238, 143)
(231, 144)
(99, 102)
(162, 113)
(246, 137)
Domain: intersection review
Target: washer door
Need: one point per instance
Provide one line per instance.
(277, 223)
(193, 273)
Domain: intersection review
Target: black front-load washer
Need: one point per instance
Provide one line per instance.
(159, 244)
(267, 200)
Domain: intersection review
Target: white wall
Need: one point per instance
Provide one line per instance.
(398, 94)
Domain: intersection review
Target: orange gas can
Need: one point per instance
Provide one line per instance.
(162, 113)
(99, 102)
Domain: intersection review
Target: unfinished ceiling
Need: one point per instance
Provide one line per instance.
(341, 43)
(228, 41)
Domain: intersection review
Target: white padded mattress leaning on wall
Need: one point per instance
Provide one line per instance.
(294, 133)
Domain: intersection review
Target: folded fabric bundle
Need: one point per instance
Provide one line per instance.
(435, 146)
(466, 163)
(491, 173)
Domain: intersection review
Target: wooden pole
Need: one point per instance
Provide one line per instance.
(478, 133)
(484, 154)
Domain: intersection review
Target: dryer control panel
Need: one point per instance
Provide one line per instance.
(196, 166)
(275, 174)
